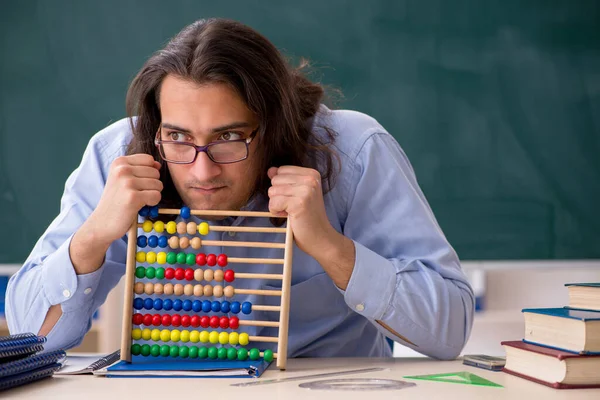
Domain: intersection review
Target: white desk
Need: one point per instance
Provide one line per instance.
(91, 387)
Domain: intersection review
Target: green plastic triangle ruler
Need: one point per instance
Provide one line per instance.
(466, 378)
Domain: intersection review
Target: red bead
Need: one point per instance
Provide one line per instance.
(138, 319)
(147, 319)
(224, 322)
(179, 274)
(201, 259)
(211, 260)
(189, 274)
(214, 321)
(175, 320)
(222, 260)
(185, 321)
(156, 319)
(169, 273)
(166, 320)
(195, 321)
(234, 322)
(204, 321)
(229, 275)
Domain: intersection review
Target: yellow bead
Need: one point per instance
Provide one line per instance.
(204, 336)
(203, 228)
(136, 334)
(234, 338)
(151, 257)
(244, 339)
(213, 337)
(140, 256)
(194, 336)
(161, 257)
(159, 227)
(185, 336)
(147, 226)
(155, 335)
(165, 335)
(175, 335)
(223, 337)
(146, 334)
(171, 227)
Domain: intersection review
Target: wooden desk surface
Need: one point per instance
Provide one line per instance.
(80, 387)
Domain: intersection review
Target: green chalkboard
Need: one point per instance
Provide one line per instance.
(497, 103)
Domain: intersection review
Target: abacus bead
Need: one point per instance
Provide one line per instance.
(246, 307)
(181, 258)
(149, 288)
(225, 306)
(168, 289)
(183, 352)
(218, 291)
(164, 350)
(208, 290)
(147, 226)
(211, 260)
(144, 211)
(229, 291)
(242, 354)
(184, 242)
(234, 322)
(214, 321)
(136, 334)
(148, 304)
(136, 349)
(169, 273)
(254, 354)
(173, 243)
(137, 319)
(147, 319)
(178, 289)
(222, 260)
(159, 288)
(181, 227)
(194, 335)
(161, 258)
(175, 335)
(142, 241)
(185, 212)
(146, 334)
(166, 320)
(174, 351)
(224, 322)
(205, 321)
(177, 305)
(188, 290)
(222, 353)
(185, 334)
(168, 304)
(138, 303)
(171, 257)
(187, 305)
(155, 335)
(208, 275)
(193, 352)
(156, 320)
(198, 290)
(140, 256)
(145, 350)
(151, 257)
(198, 274)
(158, 304)
(179, 273)
(236, 307)
(171, 227)
(196, 243)
(153, 211)
(190, 259)
(160, 273)
(197, 306)
(213, 337)
(244, 339)
(206, 306)
(201, 259)
(215, 306)
(268, 355)
(202, 352)
(203, 228)
(152, 241)
(195, 321)
(191, 228)
(189, 273)
(204, 336)
(229, 275)
(163, 242)
(231, 353)
(234, 338)
(218, 275)
(165, 335)
(150, 272)
(159, 227)
(223, 337)
(140, 272)
(212, 352)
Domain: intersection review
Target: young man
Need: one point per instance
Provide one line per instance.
(218, 120)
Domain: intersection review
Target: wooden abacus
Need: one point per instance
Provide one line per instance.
(228, 326)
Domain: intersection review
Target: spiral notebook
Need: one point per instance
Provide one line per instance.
(31, 362)
(18, 346)
(82, 364)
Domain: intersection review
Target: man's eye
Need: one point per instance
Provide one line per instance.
(176, 136)
(230, 136)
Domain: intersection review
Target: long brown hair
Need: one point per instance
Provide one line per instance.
(283, 99)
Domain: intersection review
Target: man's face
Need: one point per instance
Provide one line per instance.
(201, 115)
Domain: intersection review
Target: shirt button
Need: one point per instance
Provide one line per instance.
(360, 307)
(232, 234)
(67, 293)
(87, 291)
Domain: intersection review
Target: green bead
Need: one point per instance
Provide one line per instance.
(193, 352)
(202, 352)
(145, 350)
(174, 351)
(231, 353)
(213, 353)
(190, 259)
(222, 353)
(242, 354)
(171, 257)
(136, 349)
(150, 272)
(268, 355)
(181, 257)
(254, 354)
(140, 272)
(184, 352)
(165, 350)
(160, 273)
(155, 350)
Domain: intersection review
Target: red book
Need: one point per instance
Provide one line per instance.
(551, 367)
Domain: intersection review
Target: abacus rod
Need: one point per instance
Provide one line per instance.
(255, 260)
(266, 308)
(262, 292)
(258, 291)
(128, 302)
(282, 339)
(221, 213)
(224, 243)
(271, 339)
(244, 322)
(248, 229)
(243, 275)
(262, 354)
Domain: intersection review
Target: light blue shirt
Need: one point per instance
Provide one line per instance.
(406, 274)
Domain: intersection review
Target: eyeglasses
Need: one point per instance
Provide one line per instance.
(220, 152)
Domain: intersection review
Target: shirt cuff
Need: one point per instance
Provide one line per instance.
(62, 285)
(371, 286)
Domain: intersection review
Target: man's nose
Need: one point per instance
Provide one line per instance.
(204, 169)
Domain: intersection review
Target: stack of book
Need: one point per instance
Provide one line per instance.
(22, 360)
(561, 347)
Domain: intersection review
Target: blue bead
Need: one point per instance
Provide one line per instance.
(158, 304)
(168, 304)
(144, 211)
(148, 303)
(225, 306)
(187, 305)
(163, 242)
(236, 307)
(177, 305)
(185, 212)
(197, 306)
(154, 212)
(246, 307)
(206, 306)
(142, 242)
(152, 241)
(215, 306)
(138, 303)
